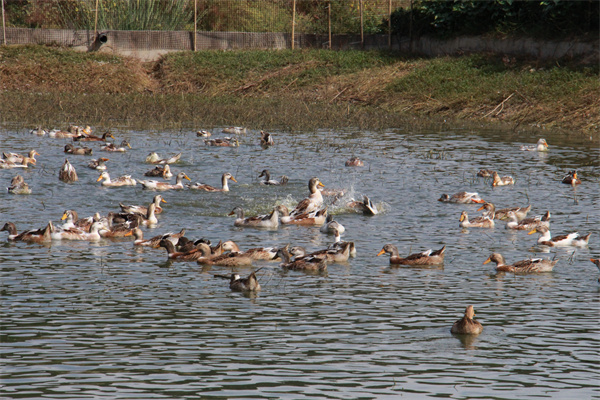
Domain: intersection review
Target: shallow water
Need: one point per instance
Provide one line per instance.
(110, 321)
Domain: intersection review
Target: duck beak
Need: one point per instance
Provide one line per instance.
(104, 159)
(533, 231)
(462, 217)
(381, 252)
(130, 233)
(231, 213)
(480, 208)
(163, 200)
(64, 217)
(319, 184)
(99, 178)
(486, 261)
(233, 179)
(478, 201)
(128, 145)
(188, 178)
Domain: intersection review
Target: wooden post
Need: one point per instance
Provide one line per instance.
(195, 22)
(362, 31)
(390, 24)
(96, 21)
(329, 21)
(3, 23)
(293, 21)
(410, 29)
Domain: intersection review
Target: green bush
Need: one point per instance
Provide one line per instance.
(549, 19)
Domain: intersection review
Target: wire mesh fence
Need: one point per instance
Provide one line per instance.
(200, 24)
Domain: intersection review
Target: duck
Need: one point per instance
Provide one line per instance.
(354, 162)
(122, 148)
(18, 186)
(235, 130)
(485, 173)
(92, 138)
(497, 180)
(232, 259)
(266, 139)
(477, 222)
(270, 221)
(143, 210)
(571, 239)
(268, 181)
(80, 151)
(222, 142)
(427, 257)
(118, 230)
(174, 255)
(57, 133)
(540, 146)
(596, 261)
(337, 254)
(338, 244)
(367, 207)
(18, 158)
(38, 131)
(203, 133)
(256, 253)
(156, 185)
(23, 164)
(78, 234)
(154, 158)
(67, 173)
(462, 198)
(224, 185)
(331, 226)
(125, 180)
(98, 164)
(313, 202)
(309, 264)
(489, 210)
(315, 218)
(154, 242)
(248, 284)
(36, 236)
(571, 179)
(527, 224)
(150, 218)
(467, 325)
(521, 267)
(72, 220)
(163, 171)
(520, 212)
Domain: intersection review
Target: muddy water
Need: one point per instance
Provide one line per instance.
(107, 320)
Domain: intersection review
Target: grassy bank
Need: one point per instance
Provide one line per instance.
(293, 90)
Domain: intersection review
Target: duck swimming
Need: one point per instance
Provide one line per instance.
(462, 198)
(367, 207)
(571, 239)
(18, 158)
(477, 222)
(98, 164)
(427, 257)
(497, 180)
(222, 142)
(261, 221)
(354, 162)
(467, 325)
(156, 185)
(81, 151)
(122, 148)
(125, 180)
(36, 236)
(309, 264)
(268, 181)
(248, 284)
(163, 171)
(143, 210)
(154, 158)
(540, 146)
(266, 139)
(224, 185)
(18, 186)
(313, 201)
(526, 224)
(67, 173)
(571, 179)
(521, 267)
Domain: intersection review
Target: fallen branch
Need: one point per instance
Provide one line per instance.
(501, 105)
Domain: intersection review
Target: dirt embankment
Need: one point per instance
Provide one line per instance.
(56, 82)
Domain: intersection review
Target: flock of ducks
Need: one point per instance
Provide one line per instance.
(310, 211)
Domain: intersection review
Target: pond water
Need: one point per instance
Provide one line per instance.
(107, 320)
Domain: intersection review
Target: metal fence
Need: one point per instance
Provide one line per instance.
(331, 24)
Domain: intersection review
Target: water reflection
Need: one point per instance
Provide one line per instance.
(108, 320)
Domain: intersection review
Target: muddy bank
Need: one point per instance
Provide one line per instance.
(295, 90)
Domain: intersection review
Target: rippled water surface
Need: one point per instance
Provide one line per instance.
(107, 320)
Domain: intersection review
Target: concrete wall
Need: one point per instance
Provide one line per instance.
(150, 45)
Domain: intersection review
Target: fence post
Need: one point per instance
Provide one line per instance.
(293, 21)
(362, 31)
(329, 21)
(195, 22)
(3, 23)
(96, 22)
(390, 24)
